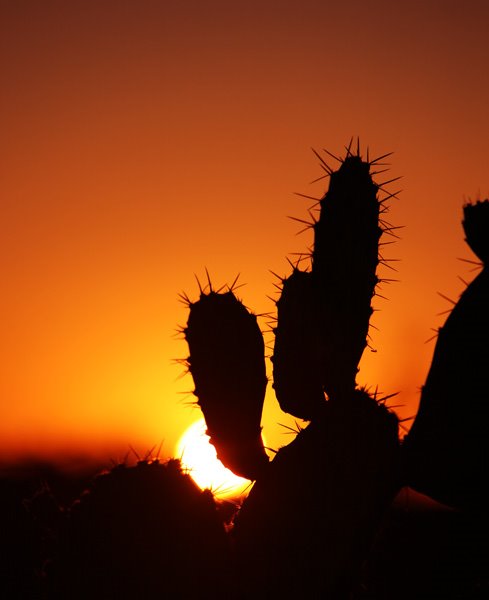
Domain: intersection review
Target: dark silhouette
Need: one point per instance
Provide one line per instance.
(227, 363)
(30, 517)
(309, 520)
(323, 315)
(446, 450)
(141, 532)
(325, 517)
(21, 551)
(308, 523)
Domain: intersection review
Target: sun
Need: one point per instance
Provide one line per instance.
(198, 456)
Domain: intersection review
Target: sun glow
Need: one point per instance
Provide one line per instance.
(199, 458)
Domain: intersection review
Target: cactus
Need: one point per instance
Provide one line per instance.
(307, 525)
(341, 469)
(344, 263)
(140, 532)
(309, 521)
(296, 357)
(228, 367)
(323, 316)
(446, 450)
(476, 227)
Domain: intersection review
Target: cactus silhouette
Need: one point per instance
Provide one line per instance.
(308, 524)
(140, 532)
(227, 364)
(341, 471)
(296, 358)
(344, 263)
(446, 450)
(323, 315)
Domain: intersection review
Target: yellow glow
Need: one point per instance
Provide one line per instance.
(199, 457)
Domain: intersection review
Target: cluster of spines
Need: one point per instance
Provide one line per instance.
(319, 345)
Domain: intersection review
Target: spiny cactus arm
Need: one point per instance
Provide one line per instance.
(135, 532)
(296, 369)
(323, 315)
(228, 368)
(344, 264)
(447, 449)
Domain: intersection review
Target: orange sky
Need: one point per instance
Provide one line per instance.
(143, 141)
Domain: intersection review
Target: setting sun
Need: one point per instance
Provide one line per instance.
(199, 457)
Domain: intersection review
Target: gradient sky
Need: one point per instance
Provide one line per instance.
(143, 141)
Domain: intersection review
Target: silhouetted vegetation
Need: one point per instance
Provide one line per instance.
(447, 448)
(326, 517)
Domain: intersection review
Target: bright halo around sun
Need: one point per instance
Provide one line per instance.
(198, 456)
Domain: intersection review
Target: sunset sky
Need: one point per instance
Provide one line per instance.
(143, 141)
